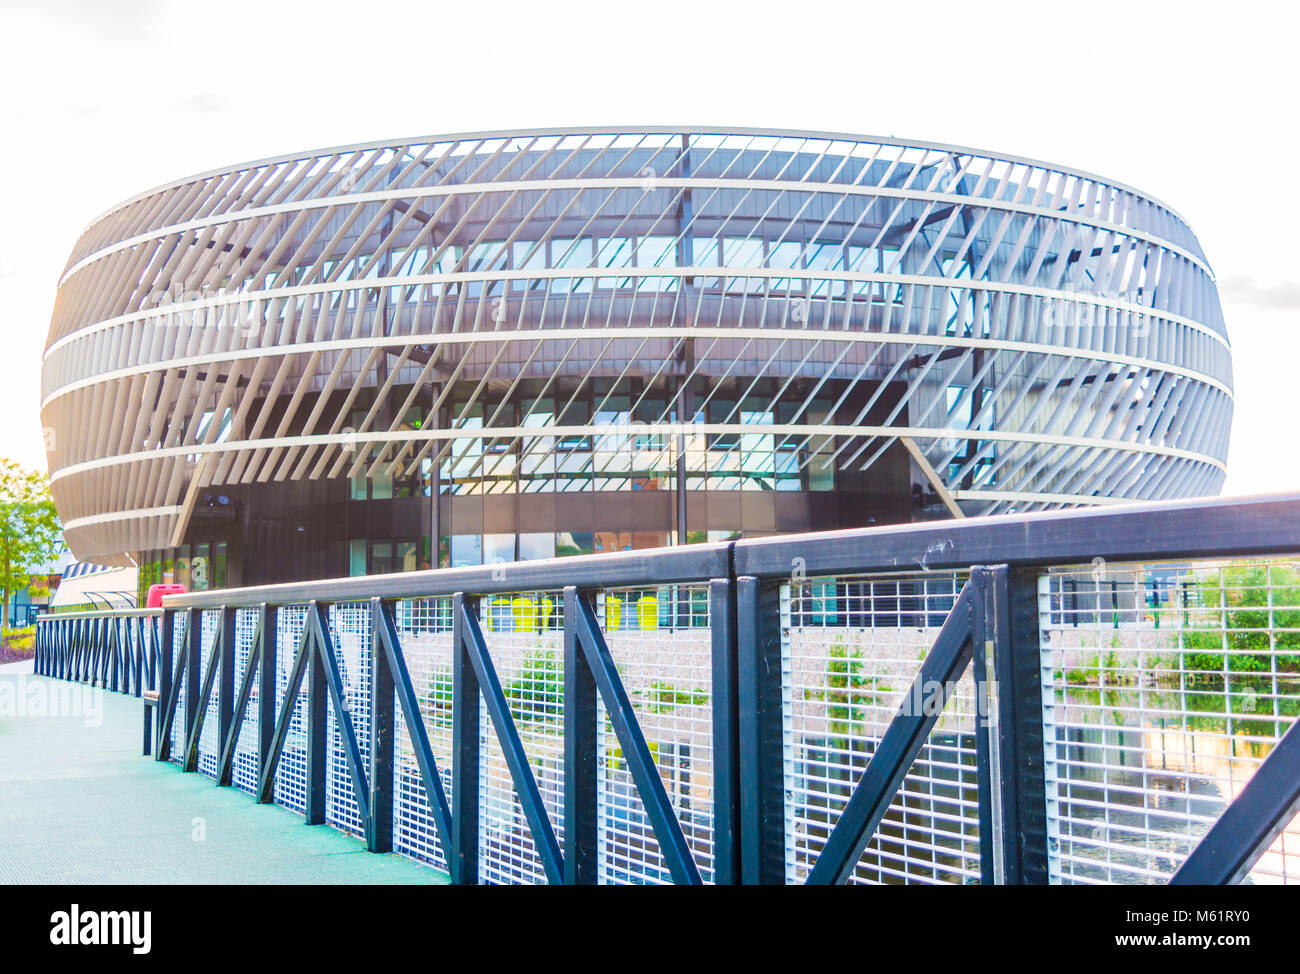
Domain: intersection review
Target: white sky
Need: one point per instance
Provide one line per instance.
(1195, 103)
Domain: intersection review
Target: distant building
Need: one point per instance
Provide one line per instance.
(465, 349)
(91, 586)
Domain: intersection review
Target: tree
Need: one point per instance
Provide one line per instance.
(29, 529)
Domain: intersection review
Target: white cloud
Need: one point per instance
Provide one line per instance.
(1268, 295)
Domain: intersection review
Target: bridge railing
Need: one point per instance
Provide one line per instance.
(1102, 695)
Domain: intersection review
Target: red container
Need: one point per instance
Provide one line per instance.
(156, 593)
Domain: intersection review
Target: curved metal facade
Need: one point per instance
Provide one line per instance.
(656, 309)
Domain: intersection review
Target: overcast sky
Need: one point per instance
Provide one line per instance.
(1193, 103)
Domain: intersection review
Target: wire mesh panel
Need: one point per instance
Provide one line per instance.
(525, 638)
(210, 735)
(350, 631)
(291, 773)
(120, 677)
(424, 630)
(178, 729)
(1165, 687)
(851, 648)
(243, 769)
(660, 642)
(129, 644)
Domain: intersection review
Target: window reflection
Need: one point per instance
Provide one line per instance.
(466, 549)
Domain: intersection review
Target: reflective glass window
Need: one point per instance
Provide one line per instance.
(466, 549)
(572, 253)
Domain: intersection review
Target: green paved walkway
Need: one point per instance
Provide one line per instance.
(78, 804)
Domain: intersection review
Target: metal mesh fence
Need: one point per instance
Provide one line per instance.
(424, 629)
(350, 631)
(660, 642)
(525, 638)
(851, 648)
(1165, 686)
(291, 773)
(243, 770)
(178, 730)
(210, 735)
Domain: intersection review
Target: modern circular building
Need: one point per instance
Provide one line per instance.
(471, 348)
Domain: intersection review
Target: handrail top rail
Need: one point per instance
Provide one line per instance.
(1213, 527)
(648, 567)
(98, 614)
(1246, 526)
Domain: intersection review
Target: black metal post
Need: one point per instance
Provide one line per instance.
(99, 677)
(379, 828)
(267, 679)
(726, 736)
(317, 744)
(151, 657)
(580, 744)
(989, 599)
(758, 696)
(226, 684)
(193, 658)
(85, 665)
(1009, 736)
(1021, 709)
(137, 661)
(114, 654)
(462, 858)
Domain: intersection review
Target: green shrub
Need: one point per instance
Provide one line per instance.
(663, 697)
(847, 693)
(1231, 632)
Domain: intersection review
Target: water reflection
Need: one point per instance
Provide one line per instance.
(1138, 774)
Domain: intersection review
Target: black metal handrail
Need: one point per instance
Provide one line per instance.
(993, 627)
(656, 566)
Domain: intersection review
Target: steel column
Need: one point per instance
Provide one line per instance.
(317, 715)
(267, 679)
(462, 859)
(761, 812)
(726, 737)
(1021, 710)
(580, 745)
(191, 662)
(379, 826)
(225, 648)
